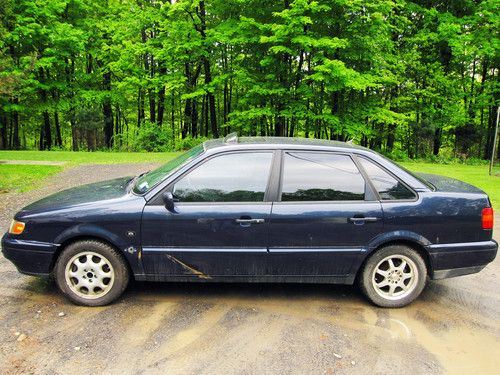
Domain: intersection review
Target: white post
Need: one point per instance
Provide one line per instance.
(494, 141)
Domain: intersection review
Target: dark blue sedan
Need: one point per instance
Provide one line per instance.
(259, 210)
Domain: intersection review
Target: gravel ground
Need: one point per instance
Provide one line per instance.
(163, 328)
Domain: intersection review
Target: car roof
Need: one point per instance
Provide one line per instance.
(234, 141)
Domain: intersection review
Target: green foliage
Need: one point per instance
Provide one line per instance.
(188, 143)
(414, 77)
(146, 138)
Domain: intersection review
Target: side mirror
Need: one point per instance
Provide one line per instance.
(168, 199)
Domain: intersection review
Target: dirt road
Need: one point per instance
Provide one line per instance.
(162, 328)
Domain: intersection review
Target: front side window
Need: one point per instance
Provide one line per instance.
(314, 176)
(236, 177)
(388, 187)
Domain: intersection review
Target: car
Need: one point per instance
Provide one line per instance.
(258, 209)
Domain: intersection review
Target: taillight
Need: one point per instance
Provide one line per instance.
(487, 218)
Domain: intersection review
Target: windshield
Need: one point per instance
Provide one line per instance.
(145, 182)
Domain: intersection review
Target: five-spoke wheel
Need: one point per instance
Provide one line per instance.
(393, 276)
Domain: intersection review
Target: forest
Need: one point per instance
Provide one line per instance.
(412, 79)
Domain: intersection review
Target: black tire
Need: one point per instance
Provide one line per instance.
(98, 265)
(392, 285)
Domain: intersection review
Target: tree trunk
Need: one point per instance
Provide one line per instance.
(161, 106)
(107, 111)
(140, 108)
(437, 141)
(187, 118)
(74, 133)
(15, 124)
(172, 114)
(45, 135)
(58, 129)
(152, 106)
(3, 131)
(45, 132)
(391, 129)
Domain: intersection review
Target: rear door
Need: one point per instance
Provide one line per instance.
(325, 216)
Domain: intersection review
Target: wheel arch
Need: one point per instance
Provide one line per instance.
(411, 243)
(79, 238)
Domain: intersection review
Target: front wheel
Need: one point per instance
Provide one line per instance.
(393, 276)
(91, 273)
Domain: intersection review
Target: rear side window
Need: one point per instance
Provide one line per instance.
(235, 177)
(388, 187)
(315, 176)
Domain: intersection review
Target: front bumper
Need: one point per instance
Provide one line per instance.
(29, 257)
(457, 259)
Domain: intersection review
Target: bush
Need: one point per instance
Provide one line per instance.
(397, 155)
(150, 137)
(188, 142)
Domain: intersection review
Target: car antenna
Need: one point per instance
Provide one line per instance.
(231, 138)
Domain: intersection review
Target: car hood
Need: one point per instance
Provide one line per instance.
(81, 195)
(448, 184)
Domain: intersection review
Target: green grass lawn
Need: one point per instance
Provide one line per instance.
(476, 175)
(83, 157)
(21, 178)
(25, 177)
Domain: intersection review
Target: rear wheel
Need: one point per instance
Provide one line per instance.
(91, 273)
(394, 276)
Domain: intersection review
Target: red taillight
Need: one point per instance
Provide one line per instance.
(487, 218)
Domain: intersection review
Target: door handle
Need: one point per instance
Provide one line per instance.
(250, 221)
(362, 220)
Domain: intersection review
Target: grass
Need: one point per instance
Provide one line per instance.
(97, 157)
(25, 177)
(22, 178)
(476, 175)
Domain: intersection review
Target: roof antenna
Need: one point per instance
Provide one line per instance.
(350, 142)
(231, 138)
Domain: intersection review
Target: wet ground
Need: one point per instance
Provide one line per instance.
(454, 327)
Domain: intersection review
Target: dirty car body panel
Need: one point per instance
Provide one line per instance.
(271, 223)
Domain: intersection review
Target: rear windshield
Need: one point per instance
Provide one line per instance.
(145, 182)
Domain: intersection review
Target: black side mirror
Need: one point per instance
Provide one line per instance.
(168, 199)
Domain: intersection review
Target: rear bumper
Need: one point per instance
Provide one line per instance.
(29, 257)
(450, 260)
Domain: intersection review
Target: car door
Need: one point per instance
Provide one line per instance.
(325, 216)
(220, 222)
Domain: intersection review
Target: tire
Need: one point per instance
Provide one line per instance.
(387, 282)
(91, 273)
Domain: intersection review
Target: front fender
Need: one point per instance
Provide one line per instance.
(128, 246)
(90, 230)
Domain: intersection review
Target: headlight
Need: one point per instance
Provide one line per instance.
(16, 227)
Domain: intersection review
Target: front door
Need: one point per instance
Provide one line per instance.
(220, 223)
(325, 217)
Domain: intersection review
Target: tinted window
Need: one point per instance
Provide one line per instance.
(387, 186)
(310, 176)
(227, 178)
